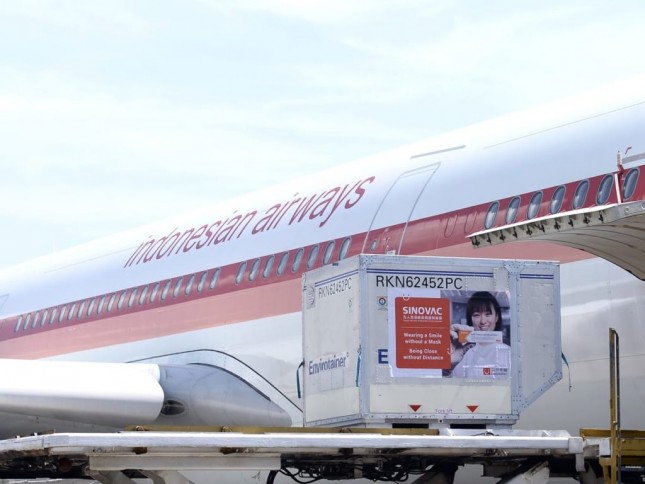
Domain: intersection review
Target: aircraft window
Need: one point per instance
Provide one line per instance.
(580, 194)
(240, 273)
(71, 312)
(90, 307)
(189, 286)
(511, 211)
(101, 304)
(297, 260)
(373, 245)
(344, 248)
(329, 250)
(214, 279)
(36, 319)
(81, 308)
(534, 205)
(604, 190)
(268, 266)
(491, 215)
(629, 185)
(155, 290)
(202, 281)
(45, 314)
(313, 255)
(178, 284)
(557, 199)
(144, 293)
(132, 298)
(18, 324)
(166, 288)
(27, 321)
(282, 265)
(119, 305)
(255, 268)
(111, 302)
(53, 316)
(61, 315)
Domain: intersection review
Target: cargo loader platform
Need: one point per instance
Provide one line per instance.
(336, 454)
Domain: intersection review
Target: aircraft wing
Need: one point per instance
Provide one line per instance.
(43, 395)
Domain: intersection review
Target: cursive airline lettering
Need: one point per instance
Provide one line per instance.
(315, 207)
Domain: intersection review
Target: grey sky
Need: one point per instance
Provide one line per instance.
(116, 113)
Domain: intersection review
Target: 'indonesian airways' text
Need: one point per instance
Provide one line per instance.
(317, 206)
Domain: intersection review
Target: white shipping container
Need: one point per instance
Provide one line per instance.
(400, 340)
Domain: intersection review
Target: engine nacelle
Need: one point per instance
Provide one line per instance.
(210, 396)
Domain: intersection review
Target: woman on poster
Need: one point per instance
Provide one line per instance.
(477, 355)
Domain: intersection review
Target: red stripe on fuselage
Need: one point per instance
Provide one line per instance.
(229, 308)
(223, 309)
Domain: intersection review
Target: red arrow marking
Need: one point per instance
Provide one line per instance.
(472, 408)
(415, 407)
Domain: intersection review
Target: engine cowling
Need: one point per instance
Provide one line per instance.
(205, 395)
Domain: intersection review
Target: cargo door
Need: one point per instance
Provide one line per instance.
(387, 228)
(613, 232)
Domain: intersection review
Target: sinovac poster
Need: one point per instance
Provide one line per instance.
(449, 334)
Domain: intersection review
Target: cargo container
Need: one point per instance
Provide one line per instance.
(428, 341)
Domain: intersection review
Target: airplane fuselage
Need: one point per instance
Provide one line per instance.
(222, 286)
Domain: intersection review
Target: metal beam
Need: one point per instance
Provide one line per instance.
(166, 477)
(179, 462)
